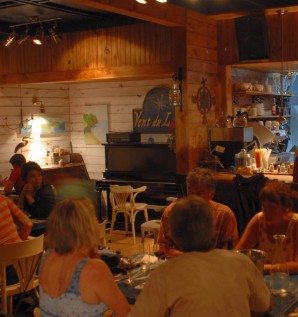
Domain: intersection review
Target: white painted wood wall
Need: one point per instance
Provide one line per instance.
(67, 101)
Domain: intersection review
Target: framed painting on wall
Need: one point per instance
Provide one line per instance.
(95, 121)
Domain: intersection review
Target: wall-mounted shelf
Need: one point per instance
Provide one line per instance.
(259, 93)
(267, 117)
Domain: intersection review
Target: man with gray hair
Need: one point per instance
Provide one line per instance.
(201, 182)
(202, 281)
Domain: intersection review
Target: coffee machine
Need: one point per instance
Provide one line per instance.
(226, 142)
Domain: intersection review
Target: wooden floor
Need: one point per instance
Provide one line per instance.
(124, 244)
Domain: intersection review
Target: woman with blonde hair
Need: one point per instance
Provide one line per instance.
(73, 280)
(276, 218)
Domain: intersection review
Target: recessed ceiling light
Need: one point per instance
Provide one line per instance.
(142, 1)
(162, 1)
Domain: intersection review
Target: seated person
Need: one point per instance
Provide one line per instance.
(14, 181)
(83, 284)
(201, 182)
(37, 199)
(14, 224)
(276, 217)
(202, 281)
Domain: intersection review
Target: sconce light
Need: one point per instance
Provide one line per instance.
(10, 38)
(37, 102)
(175, 93)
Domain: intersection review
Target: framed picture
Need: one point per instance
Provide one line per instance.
(95, 120)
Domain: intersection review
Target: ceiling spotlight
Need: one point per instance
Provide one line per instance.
(10, 38)
(162, 1)
(56, 37)
(142, 1)
(38, 37)
(24, 36)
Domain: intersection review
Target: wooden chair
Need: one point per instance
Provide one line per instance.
(25, 257)
(123, 200)
(102, 233)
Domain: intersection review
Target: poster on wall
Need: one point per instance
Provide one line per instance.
(95, 120)
(52, 126)
(43, 126)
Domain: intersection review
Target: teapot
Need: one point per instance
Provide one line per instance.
(240, 120)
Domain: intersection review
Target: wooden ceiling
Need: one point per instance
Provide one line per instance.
(75, 15)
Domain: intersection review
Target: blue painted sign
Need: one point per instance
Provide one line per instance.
(157, 115)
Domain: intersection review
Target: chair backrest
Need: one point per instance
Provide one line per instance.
(120, 195)
(25, 257)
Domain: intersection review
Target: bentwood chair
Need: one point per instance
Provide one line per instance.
(25, 258)
(123, 200)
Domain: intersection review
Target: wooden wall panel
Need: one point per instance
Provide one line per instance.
(201, 62)
(103, 50)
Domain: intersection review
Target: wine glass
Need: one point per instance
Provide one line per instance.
(129, 264)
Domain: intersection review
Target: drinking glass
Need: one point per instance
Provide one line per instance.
(258, 158)
(129, 263)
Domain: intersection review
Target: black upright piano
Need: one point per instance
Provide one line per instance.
(138, 164)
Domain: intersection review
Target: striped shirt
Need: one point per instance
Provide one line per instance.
(10, 218)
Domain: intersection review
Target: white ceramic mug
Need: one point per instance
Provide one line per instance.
(268, 124)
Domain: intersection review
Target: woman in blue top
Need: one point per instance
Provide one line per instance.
(74, 282)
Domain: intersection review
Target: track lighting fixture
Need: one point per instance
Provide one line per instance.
(145, 1)
(38, 37)
(24, 37)
(10, 38)
(56, 38)
(41, 28)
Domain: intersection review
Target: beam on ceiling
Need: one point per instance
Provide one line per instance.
(155, 12)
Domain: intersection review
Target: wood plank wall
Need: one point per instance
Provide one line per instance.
(119, 52)
(142, 52)
(67, 101)
(201, 62)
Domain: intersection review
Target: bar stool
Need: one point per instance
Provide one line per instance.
(150, 227)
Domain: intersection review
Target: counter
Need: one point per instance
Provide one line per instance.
(226, 177)
(55, 174)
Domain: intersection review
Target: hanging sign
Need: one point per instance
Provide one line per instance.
(157, 115)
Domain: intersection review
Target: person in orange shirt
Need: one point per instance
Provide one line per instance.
(201, 182)
(14, 224)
